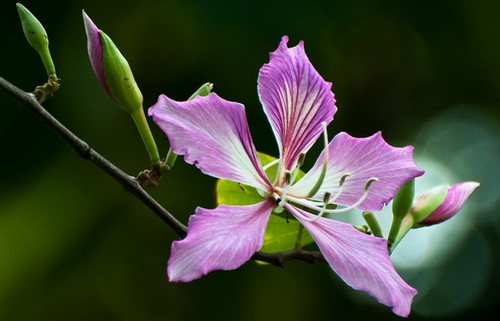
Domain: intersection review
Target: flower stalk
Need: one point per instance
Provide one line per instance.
(37, 37)
(372, 222)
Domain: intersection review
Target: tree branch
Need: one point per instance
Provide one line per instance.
(28, 101)
(279, 258)
(130, 183)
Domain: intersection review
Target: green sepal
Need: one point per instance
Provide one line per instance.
(426, 202)
(36, 36)
(125, 91)
(400, 207)
(403, 199)
(119, 78)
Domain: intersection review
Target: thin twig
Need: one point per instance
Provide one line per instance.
(279, 258)
(130, 183)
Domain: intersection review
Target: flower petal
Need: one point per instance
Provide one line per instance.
(220, 239)
(94, 47)
(455, 198)
(361, 260)
(296, 100)
(213, 134)
(362, 158)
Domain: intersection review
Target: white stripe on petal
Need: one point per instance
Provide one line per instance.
(296, 100)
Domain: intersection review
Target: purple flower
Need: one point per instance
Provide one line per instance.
(456, 196)
(362, 173)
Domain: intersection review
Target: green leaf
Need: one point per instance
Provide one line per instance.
(282, 230)
(281, 235)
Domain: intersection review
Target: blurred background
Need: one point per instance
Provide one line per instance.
(74, 245)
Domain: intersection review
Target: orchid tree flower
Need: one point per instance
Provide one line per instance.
(364, 173)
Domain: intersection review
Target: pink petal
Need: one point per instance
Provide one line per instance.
(220, 239)
(362, 158)
(213, 134)
(296, 100)
(361, 260)
(455, 198)
(94, 47)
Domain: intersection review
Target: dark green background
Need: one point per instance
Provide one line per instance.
(75, 246)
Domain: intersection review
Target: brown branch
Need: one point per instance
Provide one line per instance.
(279, 258)
(28, 101)
(130, 183)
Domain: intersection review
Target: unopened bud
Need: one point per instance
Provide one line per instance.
(427, 202)
(404, 197)
(456, 196)
(112, 69)
(36, 36)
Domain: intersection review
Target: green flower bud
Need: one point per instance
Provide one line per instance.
(119, 77)
(115, 75)
(36, 36)
(403, 199)
(426, 202)
(400, 207)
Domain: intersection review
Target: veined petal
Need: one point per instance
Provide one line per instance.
(296, 100)
(94, 47)
(220, 239)
(362, 159)
(361, 260)
(213, 134)
(455, 198)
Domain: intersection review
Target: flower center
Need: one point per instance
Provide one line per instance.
(310, 201)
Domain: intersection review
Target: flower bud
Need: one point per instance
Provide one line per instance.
(36, 36)
(112, 69)
(400, 207)
(403, 199)
(456, 196)
(433, 206)
(427, 202)
(115, 75)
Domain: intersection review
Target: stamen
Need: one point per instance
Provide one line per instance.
(343, 178)
(268, 165)
(300, 161)
(326, 200)
(318, 184)
(323, 210)
(341, 185)
(288, 178)
(369, 182)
